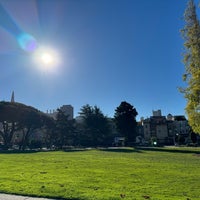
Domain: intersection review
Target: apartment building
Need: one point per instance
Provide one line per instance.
(166, 130)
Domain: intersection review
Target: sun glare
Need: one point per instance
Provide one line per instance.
(46, 58)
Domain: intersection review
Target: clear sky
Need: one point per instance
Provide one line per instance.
(108, 50)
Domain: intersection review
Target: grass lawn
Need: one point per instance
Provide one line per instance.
(112, 174)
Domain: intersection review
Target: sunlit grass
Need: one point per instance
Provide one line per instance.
(114, 174)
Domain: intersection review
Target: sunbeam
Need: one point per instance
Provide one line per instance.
(26, 41)
(8, 23)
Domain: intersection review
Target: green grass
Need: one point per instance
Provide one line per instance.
(113, 174)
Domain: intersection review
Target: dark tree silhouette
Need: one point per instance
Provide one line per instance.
(65, 130)
(19, 117)
(125, 119)
(95, 129)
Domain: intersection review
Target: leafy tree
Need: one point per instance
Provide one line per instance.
(7, 131)
(193, 137)
(191, 35)
(95, 129)
(125, 119)
(49, 131)
(30, 121)
(19, 117)
(64, 130)
(8, 123)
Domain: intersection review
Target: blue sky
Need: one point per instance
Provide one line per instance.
(109, 51)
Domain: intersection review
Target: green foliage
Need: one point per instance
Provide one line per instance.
(35, 144)
(107, 174)
(125, 119)
(65, 129)
(191, 35)
(19, 117)
(95, 129)
(7, 131)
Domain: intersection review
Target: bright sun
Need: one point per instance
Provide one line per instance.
(46, 58)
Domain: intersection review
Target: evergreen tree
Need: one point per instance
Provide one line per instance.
(191, 35)
(96, 128)
(65, 130)
(125, 119)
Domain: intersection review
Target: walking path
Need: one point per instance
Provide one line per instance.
(16, 197)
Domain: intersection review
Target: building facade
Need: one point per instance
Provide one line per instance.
(166, 130)
(68, 110)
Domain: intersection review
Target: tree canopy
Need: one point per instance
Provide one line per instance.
(65, 129)
(125, 119)
(191, 36)
(19, 117)
(96, 129)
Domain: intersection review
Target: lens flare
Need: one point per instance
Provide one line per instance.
(27, 42)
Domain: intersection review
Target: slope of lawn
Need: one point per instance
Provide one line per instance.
(109, 174)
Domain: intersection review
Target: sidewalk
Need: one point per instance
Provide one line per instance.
(16, 197)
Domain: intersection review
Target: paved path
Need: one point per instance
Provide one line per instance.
(16, 197)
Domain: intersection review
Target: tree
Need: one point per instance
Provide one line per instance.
(95, 129)
(125, 119)
(64, 130)
(30, 121)
(191, 35)
(19, 117)
(7, 132)
(49, 131)
(8, 123)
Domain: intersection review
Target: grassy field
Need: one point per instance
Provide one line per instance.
(112, 174)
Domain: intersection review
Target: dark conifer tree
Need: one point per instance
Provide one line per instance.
(125, 119)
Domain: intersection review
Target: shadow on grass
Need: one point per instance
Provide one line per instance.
(75, 150)
(170, 150)
(122, 150)
(114, 149)
(38, 151)
(17, 151)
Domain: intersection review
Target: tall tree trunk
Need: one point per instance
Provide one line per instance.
(25, 139)
(7, 134)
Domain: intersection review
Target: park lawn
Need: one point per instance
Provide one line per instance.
(107, 174)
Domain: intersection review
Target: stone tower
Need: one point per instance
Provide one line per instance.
(13, 97)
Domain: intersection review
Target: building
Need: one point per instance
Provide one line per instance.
(166, 130)
(181, 130)
(157, 113)
(156, 127)
(68, 110)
